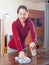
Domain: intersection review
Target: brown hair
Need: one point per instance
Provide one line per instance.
(23, 7)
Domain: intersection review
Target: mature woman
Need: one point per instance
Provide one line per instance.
(20, 29)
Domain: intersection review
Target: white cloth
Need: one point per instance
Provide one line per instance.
(33, 51)
(22, 61)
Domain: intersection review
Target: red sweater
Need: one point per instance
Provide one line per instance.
(20, 33)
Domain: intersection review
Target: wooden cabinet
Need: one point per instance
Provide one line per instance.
(37, 17)
(2, 37)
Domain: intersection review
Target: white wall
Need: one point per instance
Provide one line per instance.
(46, 27)
(10, 7)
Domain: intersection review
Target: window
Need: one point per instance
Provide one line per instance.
(39, 39)
(37, 22)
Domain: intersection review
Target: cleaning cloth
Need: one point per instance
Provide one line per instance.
(21, 61)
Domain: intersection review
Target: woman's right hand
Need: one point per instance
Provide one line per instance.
(22, 54)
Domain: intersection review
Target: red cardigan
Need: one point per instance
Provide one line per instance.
(20, 33)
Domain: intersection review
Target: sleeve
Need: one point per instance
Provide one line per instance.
(16, 37)
(33, 32)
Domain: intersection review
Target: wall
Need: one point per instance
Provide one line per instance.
(10, 7)
(46, 27)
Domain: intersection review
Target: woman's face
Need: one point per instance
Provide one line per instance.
(22, 15)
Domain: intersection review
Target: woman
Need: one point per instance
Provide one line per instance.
(20, 29)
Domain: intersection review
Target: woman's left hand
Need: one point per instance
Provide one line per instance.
(32, 45)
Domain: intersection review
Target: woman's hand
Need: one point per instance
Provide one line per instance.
(22, 54)
(32, 45)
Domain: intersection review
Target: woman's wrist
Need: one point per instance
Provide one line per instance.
(32, 45)
(22, 54)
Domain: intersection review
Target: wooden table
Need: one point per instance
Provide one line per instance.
(42, 58)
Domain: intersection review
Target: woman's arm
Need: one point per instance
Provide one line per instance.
(16, 37)
(33, 32)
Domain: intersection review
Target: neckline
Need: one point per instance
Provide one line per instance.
(22, 25)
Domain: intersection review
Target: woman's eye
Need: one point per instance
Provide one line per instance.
(20, 13)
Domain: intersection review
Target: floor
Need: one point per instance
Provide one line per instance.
(42, 58)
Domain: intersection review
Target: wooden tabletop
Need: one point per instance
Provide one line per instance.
(42, 58)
